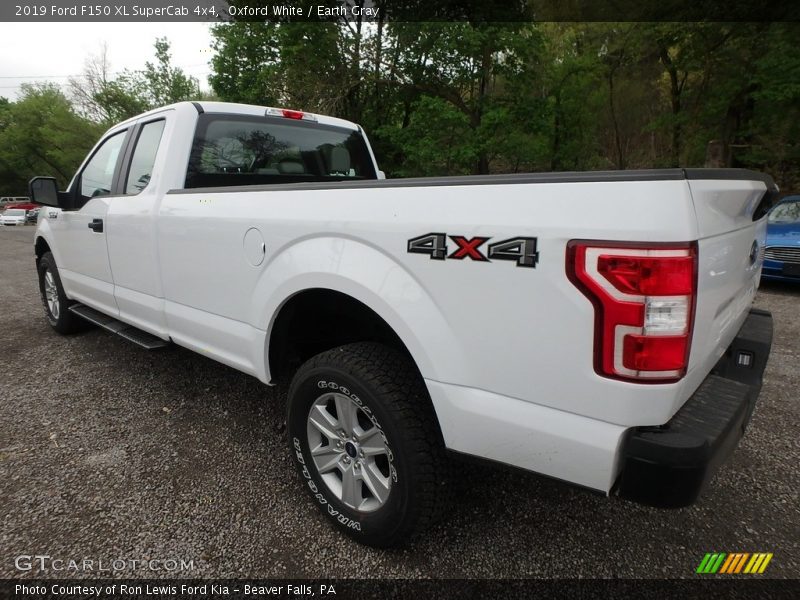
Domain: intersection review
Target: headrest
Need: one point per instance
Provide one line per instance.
(340, 160)
(288, 165)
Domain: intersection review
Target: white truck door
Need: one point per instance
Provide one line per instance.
(132, 243)
(81, 234)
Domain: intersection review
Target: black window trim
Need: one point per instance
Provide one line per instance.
(128, 158)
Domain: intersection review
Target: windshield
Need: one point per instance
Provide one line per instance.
(15, 212)
(786, 212)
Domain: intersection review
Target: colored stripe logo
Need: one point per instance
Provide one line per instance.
(734, 563)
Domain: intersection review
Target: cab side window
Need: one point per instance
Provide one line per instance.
(98, 175)
(144, 157)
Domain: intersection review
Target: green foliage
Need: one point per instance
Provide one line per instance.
(774, 128)
(110, 100)
(437, 141)
(472, 97)
(245, 63)
(463, 97)
(45, 133)
(41, 134)
(309, 66)
(121, 99)
(161, 83)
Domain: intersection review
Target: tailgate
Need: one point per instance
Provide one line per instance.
(730, 206)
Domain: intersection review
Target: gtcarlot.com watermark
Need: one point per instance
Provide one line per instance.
(43, 563)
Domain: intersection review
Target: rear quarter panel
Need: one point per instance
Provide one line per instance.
(520, 332)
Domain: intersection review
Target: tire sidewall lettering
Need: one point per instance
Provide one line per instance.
(355, 521)
(343, 519)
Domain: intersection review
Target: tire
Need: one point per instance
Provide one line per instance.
(54, 300)
(378, 398)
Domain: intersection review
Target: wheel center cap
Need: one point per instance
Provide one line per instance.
(351, 449)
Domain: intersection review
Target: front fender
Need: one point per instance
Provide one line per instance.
(371, 276)
(44, 231)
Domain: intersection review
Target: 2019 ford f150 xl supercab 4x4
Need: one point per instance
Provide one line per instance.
(593, 327)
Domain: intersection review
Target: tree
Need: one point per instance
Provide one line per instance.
(41, 134)
(762, 111)
(245, 63)
(273, 64)
(475, 96)
(161, 83)
(109, 99)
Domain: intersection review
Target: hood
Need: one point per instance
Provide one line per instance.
(783, 234)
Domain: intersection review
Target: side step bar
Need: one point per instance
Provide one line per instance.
(129, 332)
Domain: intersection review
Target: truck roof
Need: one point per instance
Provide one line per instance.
(240, 109)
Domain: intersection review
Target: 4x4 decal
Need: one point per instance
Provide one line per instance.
(521, 250)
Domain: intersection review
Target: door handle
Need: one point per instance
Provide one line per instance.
(96, 225)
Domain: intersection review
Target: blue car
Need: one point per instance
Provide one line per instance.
(782, 253)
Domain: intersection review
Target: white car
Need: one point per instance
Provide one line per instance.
(13, 216)
(592, 327)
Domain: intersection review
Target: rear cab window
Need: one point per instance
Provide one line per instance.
(232, 150)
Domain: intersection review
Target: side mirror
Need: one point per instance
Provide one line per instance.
(44, 190)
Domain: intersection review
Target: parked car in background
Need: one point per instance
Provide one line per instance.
(22, 205)
(33, 216)
(782, 252)
(13, 216)
(12, 201)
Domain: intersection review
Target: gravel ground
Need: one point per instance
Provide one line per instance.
(111, 452)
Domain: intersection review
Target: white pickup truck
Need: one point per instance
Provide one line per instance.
(592, 327)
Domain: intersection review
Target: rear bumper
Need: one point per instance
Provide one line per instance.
(668, 466)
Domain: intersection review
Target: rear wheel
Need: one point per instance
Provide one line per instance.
(366, 442)
(54, 300)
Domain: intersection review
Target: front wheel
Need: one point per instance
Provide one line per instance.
(54, 300)
(366, 442)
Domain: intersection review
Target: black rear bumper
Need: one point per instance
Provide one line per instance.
(667, 466)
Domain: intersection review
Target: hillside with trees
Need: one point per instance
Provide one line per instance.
(467, 98)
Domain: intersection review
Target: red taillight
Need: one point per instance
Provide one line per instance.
(644, 297)
(648, 275)
(662, 353)
(292, 114)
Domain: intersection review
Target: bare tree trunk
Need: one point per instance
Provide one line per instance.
(556, 147)
(355, 97)
(86, 87)
(716, 154)
(376, 73)
(675, 90)
(617, 141)
(482, 166)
